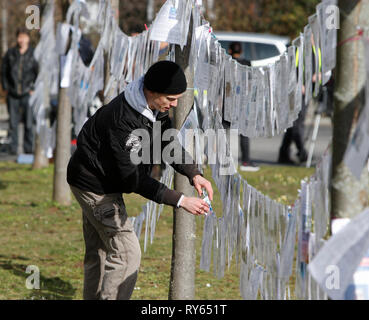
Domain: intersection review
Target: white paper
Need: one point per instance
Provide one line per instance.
(168, 24)
(335, 264)
(66, 67)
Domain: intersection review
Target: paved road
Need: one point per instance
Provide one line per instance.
(266, 150)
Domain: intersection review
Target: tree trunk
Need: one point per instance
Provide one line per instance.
(349, 196)
(211, 9)
(40, 158)
(150, 10)
(4, 26)
(182, 280)
(61, 190)
(111, 93)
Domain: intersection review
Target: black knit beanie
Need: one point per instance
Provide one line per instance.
(165, 77)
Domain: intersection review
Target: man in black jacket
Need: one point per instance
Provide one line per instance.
(18, 74)
(101, 169)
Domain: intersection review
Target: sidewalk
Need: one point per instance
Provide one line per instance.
(3, 112)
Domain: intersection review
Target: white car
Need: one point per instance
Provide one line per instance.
(260, 49)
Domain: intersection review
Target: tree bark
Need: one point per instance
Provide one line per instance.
(112, 92)
(4, 26)
(150, 10)
(61, 190)
(349, 196)
(182, 280)
(40, 158)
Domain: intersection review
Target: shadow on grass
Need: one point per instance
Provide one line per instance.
(19, 204)
(3, 185)
(6, 169)
(51, 288)
(6, 182)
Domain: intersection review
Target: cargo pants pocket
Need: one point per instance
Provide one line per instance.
(112, 217)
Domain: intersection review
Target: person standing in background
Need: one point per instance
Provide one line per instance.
(18, 75)
(296, 132)
(235, 50)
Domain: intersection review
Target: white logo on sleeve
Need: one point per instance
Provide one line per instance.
(133, 143)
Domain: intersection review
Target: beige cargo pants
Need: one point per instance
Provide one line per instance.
(113, 253)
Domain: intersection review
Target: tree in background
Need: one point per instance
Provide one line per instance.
(283, 17)
(349, 195)
(132, 16)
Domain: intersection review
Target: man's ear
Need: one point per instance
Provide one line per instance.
(148, 94)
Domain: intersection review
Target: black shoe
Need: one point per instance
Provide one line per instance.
(302, 155)
(285, 160)
(249, 166)
(13, 152)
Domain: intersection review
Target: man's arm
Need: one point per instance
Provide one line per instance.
(34, 72)
(134, 176)
(141, 183)
(4, 72)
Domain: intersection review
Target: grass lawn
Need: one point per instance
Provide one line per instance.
(36, 231)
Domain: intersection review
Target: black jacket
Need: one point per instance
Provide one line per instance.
(102, 164)
(19, 72)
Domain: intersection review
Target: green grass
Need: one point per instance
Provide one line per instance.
(36, 231)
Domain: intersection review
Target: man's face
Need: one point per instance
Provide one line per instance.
(164, 102)
(23, 40)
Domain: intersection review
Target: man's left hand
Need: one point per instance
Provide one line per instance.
(200, 182)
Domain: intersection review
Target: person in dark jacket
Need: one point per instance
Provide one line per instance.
(101, 169)
(18, 74)
(296, 132)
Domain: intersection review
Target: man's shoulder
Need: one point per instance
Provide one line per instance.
(244, 62)
(119, 111)
(31, 50)
(122, 106)
(12, 51)
(129, 113)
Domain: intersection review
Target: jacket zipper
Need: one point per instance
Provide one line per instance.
(20, 74)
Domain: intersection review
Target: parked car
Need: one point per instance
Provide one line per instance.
(260, 49)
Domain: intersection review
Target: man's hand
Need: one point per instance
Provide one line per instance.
(195, 206)
(200, 182)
